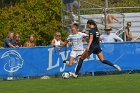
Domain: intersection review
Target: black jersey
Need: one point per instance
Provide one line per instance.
(95, 45)
(96, 36)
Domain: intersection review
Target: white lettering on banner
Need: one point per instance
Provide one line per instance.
(64, 55)
(63, 69)
(13, 61)
(64, 58)
(50, 66)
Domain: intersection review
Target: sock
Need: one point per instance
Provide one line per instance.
(79, 66)
(108, 63)
(66, 61)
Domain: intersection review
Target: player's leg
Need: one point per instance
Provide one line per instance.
(71, 61)
(84, 55)
(79, 54)
(72, 56)
(78, 58)
(101, 57)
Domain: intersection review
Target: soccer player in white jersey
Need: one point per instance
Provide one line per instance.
(77, 45)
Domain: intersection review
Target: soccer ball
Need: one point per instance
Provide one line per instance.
(65, 75)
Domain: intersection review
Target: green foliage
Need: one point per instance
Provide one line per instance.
(111, 3)
(43, 17)
(39, 17)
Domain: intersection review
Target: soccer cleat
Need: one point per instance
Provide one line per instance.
(70, 73)
(74, 75)
(117, 67)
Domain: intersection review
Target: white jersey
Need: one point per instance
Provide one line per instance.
(57, 42)
(76, 40)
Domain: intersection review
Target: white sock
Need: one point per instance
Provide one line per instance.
(67, 62)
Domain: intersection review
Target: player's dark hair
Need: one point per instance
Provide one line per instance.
(91, 22)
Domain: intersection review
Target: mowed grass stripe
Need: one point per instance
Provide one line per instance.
(126, 83)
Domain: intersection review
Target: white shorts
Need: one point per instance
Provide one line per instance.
(76, 53)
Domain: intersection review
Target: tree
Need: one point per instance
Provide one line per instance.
(39, 17)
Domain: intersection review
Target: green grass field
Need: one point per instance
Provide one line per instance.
(126, 83)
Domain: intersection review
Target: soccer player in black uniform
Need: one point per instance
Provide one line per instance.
(93, 47)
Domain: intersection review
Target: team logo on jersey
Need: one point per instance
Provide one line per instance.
(13, 61)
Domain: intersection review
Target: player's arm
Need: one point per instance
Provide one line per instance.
(68, 41)
(90, 42)
(84, 34)
(100, 39)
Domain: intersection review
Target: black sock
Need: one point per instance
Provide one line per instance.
(79, 66)
(108, 63)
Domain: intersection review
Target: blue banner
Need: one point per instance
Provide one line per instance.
(40, 61)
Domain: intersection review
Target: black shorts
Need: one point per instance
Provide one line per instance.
(95, 49)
